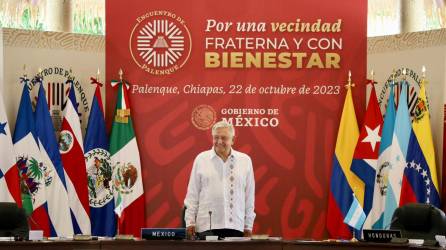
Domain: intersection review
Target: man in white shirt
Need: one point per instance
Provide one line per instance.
(220, 195)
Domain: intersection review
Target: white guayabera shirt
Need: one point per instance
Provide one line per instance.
(224, 188)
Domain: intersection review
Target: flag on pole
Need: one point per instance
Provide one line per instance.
(375, 216)
(365, 159)
(355, 216)
(99, 170)
(420, 181)
(72, 154)
(397, 163)
(9, 174)
(343, 182)
(56, 189)
(33, 172)
(126, 167)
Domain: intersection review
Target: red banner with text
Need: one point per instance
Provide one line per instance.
(275, 69)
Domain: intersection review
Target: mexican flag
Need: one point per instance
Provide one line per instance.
(127, 176)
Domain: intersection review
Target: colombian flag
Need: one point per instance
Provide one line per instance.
(343, 181)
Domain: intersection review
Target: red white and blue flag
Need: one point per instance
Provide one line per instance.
(72, 152)
(33, 172)
(9, 174)
(365, 159)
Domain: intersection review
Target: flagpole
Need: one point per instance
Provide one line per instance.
(348, 86)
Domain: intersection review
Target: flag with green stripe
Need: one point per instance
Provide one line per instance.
(127, 175)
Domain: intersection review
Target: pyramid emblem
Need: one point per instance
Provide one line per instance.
(160, 43)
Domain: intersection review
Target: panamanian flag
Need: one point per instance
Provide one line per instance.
(56, 188)
(99, 171)
(365, 159)
(33, 171)
(9, 174)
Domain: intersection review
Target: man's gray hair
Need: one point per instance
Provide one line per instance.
(223, 124)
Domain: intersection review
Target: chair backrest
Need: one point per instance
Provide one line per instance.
(13, 220)
(419, 221)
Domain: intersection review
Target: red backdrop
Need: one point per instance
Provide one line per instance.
(292, 161)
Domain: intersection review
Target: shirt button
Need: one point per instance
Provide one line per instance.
(230, 219)
(231, 192)
(232, 166)
(231, 178)
(230, 205)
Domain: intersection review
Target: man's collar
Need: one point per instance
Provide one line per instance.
(214, 154)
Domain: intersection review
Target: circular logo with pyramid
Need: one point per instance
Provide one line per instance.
(160, 42)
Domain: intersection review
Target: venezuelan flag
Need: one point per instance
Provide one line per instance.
(344, 182)
(420, 181)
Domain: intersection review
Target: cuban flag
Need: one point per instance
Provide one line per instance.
(33, 171)
(56, 188)
(420, 181)
(365, 159)
(9, 174)
(397, 163)
(72, 153)
(99, 170)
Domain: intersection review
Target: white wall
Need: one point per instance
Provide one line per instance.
(84, 54)
(413, 50)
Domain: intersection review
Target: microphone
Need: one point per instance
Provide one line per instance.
(210, 220)
(202, 236)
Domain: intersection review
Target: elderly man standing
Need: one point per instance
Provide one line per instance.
(220, 195)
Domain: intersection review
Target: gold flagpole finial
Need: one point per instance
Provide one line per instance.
(423, 75)
(98, 73)
(404, 73)
(121, 73)
(372, 73)
(39, 72)
(349, 84)
(24, 71)
(393, 77)
(70, 76)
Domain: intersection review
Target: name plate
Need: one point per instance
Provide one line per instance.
(163, 233)
(380, 235)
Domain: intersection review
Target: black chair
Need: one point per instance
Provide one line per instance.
(13, 221)
(419, 221)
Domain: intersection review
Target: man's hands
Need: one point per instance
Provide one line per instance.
(190, 231)
(247, 233)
